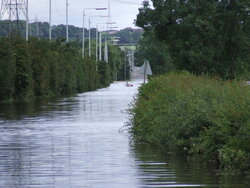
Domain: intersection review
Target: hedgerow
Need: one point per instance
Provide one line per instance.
(197, 116)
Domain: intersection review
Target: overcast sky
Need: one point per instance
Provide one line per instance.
(123, 12)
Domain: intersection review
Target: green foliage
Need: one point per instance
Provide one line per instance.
(41, 68)
(116, 62)
(23, 75)
(156, 52)
(122, 74)
(202, 36)
(124, 69)
(7, 71)
(197, 116)
(104, 72)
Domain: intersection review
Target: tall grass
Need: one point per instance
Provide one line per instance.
(196, 116)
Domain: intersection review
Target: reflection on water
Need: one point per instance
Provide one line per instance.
(76, 142)
(158, 169)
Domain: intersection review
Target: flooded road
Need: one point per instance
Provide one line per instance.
(78, 142)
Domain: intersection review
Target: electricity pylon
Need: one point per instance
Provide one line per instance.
(14, 9)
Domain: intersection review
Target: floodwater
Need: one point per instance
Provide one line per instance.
(80, 142)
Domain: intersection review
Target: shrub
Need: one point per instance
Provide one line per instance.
(195, 115)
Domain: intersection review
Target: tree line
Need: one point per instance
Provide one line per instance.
(202, 37)
(41, 30)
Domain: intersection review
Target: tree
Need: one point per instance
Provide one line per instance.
(23, 75)
(156, 52)
(203, 36)
(7, 71)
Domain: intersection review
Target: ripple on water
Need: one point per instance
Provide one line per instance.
(77, 142)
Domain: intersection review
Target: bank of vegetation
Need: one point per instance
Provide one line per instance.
(191, 113)
(197, 116)
(42, 68)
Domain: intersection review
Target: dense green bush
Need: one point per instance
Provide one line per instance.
(104, 72)
(195, 115)
(42, 68)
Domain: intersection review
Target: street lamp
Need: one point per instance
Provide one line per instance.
(96, 44)
(100, 41)
(90, 31)
(83, 39)
(27, 20)
(67, 21)
(100, 56)
(100, 45)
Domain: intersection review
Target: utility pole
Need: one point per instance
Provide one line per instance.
(83, 37)
(100, 46)
(125, 66)
(17, 18)
(83, 33)
(37, 27)
(1, 10)
(133, 61)
(106, 51)
(50, 20)
(89, 39)
(105, 54)
(67, 24)
(27, 20)
(109, 14)
(145, 69)
(96, 44)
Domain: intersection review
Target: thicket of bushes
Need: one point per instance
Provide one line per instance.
(39, 68)
(197, 116)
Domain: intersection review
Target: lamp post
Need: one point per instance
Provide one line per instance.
(106, 58)
(49, 19)
(125, 66)
(131, 62)
(99, 42)
(90, 30)
(89, 39)
(83, 22)
(67, 21)
(100, 45)
(27, 20)
(96, 44)
(83, 16)
(106, 51)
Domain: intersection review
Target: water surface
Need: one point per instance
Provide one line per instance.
(78, 142)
